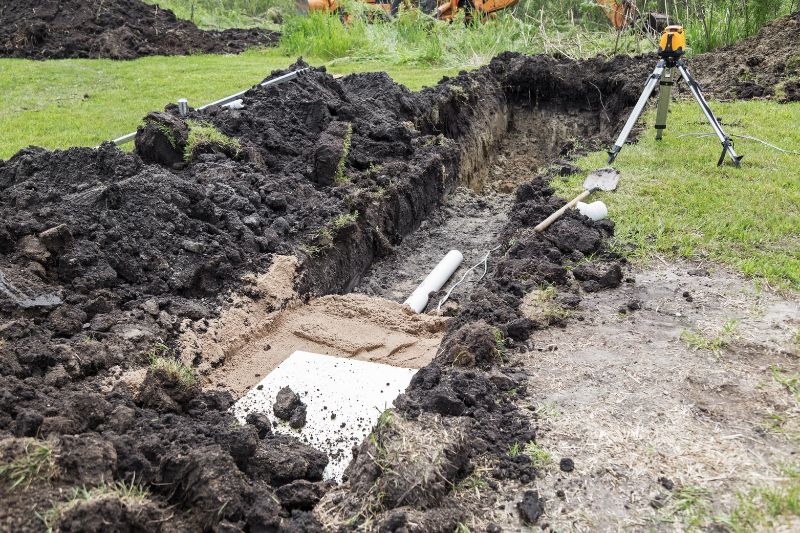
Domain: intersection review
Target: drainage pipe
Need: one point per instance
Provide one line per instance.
(228, 100)
(435, 280)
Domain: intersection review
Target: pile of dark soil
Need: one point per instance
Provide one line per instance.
(104, 254)
(767, 64)
(116, 29)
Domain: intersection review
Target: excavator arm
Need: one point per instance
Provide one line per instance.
(620, 13)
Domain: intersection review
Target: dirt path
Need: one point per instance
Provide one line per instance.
(662, 393)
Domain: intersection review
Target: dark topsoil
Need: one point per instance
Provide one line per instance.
(116, 29)
(765, 65)
(103, 254)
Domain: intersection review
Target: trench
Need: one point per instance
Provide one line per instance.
(362, 317)
(504, 147)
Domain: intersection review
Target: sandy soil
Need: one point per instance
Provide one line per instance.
(632, 398)
(349, 326)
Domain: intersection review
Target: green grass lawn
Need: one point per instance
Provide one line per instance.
(82, 102)
(673, 200)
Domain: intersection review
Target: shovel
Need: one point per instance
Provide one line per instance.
(604, 179)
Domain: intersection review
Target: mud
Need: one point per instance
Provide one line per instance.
(117, 29)
(210, 251)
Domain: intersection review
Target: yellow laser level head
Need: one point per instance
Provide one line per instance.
(673, 42)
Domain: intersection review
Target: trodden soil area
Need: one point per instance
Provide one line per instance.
(664, 395)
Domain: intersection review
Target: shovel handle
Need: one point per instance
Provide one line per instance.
(544, 224)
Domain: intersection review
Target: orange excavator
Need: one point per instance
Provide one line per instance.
(441, 9)
(620, 13)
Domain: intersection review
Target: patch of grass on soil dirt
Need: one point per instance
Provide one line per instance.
(83, 102)
(37, 463)
(770, 508)
(128, 493)
(162, 358)
(203, 133)
(673, 200)
(715, 343)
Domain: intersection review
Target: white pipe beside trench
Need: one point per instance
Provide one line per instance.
(435, 280)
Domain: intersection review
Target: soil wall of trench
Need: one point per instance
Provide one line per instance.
(106, 258)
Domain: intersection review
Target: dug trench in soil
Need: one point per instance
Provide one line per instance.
(104, 253)
(115, 29)
(125, 251)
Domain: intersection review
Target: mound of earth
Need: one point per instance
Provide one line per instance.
(767, 64)
(116, 29)
(108, 258)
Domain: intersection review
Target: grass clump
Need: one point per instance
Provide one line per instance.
(766, 508)
(37, 463)
(674, 201)
(202, 133)
(340, 177)
(791, 382)
(129, 493)
(500, 344)
(163, 359)
(343, 220)
(715, 344)
(693, 504)
(539, 456)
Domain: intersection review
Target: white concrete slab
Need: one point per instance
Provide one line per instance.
(344, 398)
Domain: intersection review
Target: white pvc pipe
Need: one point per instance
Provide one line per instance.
(435, 280)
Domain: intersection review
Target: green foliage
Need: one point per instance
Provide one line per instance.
(204, 133)
(766, 508)
(500, 344)
(221, 14)
(715, 344)
(472, 483)
(539, 456)
(692, 503)
(791, 382)
(344, 219)
(674, 200)
(341, 178)
(514, 450)
(162, 358)
(37, 463)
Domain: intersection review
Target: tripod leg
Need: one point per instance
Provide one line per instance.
(664, 95)
(727, 142)
(649, 87)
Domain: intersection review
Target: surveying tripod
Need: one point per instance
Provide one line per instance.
(671, 48)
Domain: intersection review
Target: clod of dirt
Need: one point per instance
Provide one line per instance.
(110, 512)
(162, 139)
(166, 392)
(404, 463)
(289, 407)
(261, 422)
(566, 464)
(531, 508)
(300, 494)
(597, 277)
(118, 29)
(474, 344)
(666, 482)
